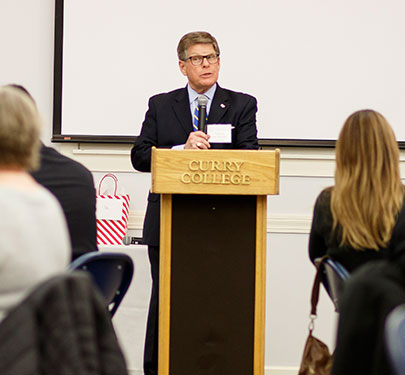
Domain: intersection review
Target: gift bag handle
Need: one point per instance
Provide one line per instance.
(114, 177)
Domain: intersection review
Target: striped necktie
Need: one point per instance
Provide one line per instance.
(195, 119)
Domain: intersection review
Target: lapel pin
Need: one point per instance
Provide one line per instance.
(222, 105)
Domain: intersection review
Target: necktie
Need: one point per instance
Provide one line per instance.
(195, 118)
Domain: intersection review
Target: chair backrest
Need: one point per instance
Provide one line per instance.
(333, 278)
(112, 272)
(394, 334)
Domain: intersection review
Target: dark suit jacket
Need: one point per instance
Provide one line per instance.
(72, 184)
(168, 123)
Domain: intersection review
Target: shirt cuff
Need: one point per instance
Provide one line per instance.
(178, 147)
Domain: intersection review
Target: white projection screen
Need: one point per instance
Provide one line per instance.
(309, 63)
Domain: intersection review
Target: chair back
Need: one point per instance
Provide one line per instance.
(394, 334)
(333, 278)
(112, 273)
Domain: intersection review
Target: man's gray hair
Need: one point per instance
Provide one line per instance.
(192, 38)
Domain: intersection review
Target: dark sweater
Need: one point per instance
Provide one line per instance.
(323, 241)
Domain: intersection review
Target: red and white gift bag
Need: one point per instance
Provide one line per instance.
(112, 214)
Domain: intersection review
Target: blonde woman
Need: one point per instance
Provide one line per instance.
(34, 241)
(361, 217)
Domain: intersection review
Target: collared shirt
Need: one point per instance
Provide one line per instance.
(193, 97)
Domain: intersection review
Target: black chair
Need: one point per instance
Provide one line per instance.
(394, 332)
(333, 278)
(112, 272)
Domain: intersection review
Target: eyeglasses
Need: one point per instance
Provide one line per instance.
(198, 59)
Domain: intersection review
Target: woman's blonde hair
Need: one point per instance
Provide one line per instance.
(20, 129)
(368, 192)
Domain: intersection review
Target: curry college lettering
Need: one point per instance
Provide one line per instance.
(215, 172)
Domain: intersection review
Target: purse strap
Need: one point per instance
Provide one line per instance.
(315, 291)
(114, 177)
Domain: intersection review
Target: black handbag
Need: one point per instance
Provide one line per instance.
(316, 358)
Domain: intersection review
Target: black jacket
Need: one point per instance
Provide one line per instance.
(168, 123)
(61, 328)
(72, 184)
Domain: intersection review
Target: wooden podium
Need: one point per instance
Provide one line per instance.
(213, 258)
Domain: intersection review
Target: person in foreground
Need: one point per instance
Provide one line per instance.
(34, 240)
(369, 295)
(73, 186)
(362, 217)
(169, 123)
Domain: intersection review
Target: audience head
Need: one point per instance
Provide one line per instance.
(22, 89)
(20, 129)
(368, 192)
(367, 146)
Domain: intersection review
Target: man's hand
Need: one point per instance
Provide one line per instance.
(197, 140)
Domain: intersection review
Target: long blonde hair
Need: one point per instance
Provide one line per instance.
(368, 191)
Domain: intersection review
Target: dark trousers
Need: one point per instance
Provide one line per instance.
(150, 357)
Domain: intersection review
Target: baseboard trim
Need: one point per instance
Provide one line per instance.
(268, 371)
(282, 370)
(293, 224)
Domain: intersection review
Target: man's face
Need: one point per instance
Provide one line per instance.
(203, 76)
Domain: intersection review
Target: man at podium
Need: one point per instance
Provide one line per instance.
(179, 119)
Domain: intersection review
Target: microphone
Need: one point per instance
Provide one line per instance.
(126, 240)
(130, 240)
(202, 113)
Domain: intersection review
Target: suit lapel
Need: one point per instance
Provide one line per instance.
(219, 106)
(181, 107)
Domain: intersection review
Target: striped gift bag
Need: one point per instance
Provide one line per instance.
(112, 214)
